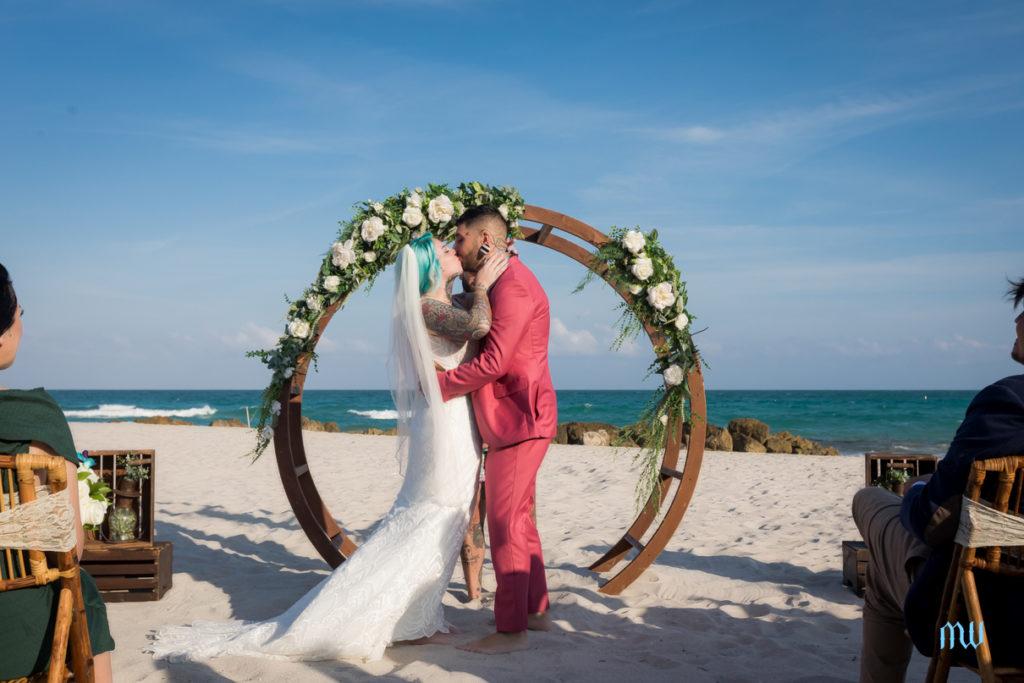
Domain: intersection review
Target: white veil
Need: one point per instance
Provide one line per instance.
(414, 386)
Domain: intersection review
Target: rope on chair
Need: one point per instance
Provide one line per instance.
(981, 526)
(46, 524)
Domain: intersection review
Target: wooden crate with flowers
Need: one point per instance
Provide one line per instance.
(121, 551)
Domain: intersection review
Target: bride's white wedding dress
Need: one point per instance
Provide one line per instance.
(391, 588)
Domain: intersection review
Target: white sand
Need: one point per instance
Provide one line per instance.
(748, 589)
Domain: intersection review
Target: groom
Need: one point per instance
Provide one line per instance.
(517, 414)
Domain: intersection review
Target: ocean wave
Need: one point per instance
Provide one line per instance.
(115, 410)
(377, 414)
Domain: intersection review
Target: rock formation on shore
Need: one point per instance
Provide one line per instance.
(743, 435)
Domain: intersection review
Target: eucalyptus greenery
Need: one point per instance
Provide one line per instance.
(133, 468)
(637, 265)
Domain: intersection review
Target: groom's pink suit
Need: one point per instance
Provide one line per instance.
(517, 414)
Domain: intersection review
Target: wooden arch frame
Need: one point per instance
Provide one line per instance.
(335, 546)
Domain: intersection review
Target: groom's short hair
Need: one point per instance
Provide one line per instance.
(484, 218)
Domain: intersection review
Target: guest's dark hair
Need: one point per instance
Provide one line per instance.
(1016, 291)
(8, 300)
(484, 213)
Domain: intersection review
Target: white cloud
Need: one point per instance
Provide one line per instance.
(250, 336)
(958, 342)
(573, 341)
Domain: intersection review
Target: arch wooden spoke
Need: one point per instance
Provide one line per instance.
(334, 545)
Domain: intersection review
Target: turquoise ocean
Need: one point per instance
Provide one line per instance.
(853, 421)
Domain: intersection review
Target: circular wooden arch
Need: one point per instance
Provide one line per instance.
(335, 546)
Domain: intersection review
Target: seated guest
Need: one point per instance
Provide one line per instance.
(911, 540)
(32, 422)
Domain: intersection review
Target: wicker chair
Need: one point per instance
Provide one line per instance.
(37, 571)
(1007, 560)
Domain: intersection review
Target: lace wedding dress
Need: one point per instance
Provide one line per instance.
(391, 588)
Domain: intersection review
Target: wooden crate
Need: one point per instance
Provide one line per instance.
(130, 572)
(106, 468)
(877, 464)
(855, 565)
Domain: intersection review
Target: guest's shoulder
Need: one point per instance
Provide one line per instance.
(1008, 389)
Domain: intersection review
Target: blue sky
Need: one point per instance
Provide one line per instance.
(840, 183)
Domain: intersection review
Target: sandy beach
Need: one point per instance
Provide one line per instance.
(748, 589)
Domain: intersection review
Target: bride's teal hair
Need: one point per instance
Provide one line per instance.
(429, 265)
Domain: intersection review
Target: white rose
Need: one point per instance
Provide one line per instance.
(661, 296)
(275, 407)
(634, 241)
(298, 328)
(369, 257)
(635, 289)
(92, 511)
(440, 210)
(503, 210)
(342, 254)
(377, 207)
(372, 228)
(412, 216)
(267, 434)
(83, 490)
(332, 283)
(414, 199)
(314, 303)
(673, 375)
(288, 372)
(682, 321)
(664, 420)
(642, 269)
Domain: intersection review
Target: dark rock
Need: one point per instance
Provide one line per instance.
(748, 426)
(717, 439)
(747, 444)
(160, 420)
(575, 431)
(779, 443)
(229, 422)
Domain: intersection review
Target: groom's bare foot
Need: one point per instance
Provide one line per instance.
(540, 621)
(498, 643)
(534, 622)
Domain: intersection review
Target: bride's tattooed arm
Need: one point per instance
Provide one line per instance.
(449, 321)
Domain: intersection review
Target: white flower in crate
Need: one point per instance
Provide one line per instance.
(332, 283)
(634, 241)
(343, 254)
(412, 216)
(372, 228)
(299, 328)
(642, 268)
(92, 510)
(440, 210)
(682, 321)
(661, 296)
(673, 375)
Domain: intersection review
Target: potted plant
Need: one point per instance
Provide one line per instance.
(123, 520)
(894, 479)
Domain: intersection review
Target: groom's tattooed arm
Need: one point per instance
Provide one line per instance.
(448, 321)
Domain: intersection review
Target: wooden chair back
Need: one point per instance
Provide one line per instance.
(27, 568)
(1007, 560)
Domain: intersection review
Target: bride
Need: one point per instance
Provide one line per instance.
(390, 590)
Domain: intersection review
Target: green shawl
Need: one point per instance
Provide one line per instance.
(32, 415)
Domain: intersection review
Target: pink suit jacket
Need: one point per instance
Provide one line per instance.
(509, 380)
